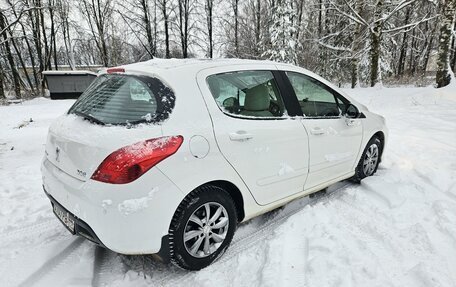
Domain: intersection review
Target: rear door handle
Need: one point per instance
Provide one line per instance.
(240, 136)
(317, 131)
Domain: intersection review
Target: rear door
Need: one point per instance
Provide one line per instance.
(334, 141)
(267, 148)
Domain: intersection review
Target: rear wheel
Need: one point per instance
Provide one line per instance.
(369, 161)
(202, 228)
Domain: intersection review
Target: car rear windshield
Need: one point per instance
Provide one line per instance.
(114, 99)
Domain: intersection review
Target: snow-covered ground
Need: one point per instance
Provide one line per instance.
(398, 228)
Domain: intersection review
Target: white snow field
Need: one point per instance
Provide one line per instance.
(397, 228)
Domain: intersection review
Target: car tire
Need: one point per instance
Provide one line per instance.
(190, 227)
(369, 161)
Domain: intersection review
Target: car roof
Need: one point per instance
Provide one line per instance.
(192, 64)
(170, 69)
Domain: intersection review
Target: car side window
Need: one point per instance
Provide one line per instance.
(248, 94)
(343, 103)
(314, 99)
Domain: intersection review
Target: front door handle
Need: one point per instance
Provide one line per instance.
(317, 131)
(240, 136)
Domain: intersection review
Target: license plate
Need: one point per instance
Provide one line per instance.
(65, 217)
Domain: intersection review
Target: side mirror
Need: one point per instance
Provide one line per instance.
(351, 112)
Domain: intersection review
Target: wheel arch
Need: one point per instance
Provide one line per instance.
(233, 191)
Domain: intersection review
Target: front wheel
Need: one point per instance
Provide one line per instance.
(369, 161)
(202, 228)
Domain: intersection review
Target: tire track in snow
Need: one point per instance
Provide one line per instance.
(53, 265)
(105, 263)
(28, 230)
(99, 264)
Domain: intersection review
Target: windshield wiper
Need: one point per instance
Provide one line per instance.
(89, 117)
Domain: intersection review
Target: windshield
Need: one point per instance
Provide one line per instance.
(125, 99)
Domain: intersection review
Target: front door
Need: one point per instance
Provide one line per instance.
(334, 141)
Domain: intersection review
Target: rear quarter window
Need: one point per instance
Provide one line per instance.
(114, 99)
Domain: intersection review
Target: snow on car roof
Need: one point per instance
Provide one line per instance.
(69, 72)
(196, 64)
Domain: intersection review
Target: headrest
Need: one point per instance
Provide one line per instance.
(257, 98)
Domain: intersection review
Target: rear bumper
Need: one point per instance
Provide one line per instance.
(80, 227)
(129, 219)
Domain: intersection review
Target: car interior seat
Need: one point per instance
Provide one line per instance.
(257, 102)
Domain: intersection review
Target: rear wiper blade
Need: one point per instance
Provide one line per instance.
(89, 117)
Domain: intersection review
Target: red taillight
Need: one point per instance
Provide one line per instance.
(129, 163)
(115, 70)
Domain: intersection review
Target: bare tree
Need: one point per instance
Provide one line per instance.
(209, 7)
(147, 23)
(98, 14)
(62, 11)
(2, 77)
(404, 44)
(184, 8)
(165, 13)
(357, 45)
(235, 5)
(447, 8)
(138, 18)
(51, 8)
(9, 55)
(376, 38)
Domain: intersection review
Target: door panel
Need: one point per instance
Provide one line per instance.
(272, 159)
(333, 150)
(334, 143)
(268, 149)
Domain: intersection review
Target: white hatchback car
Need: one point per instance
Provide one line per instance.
(167, 156)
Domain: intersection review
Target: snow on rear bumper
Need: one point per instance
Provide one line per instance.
(128, 218)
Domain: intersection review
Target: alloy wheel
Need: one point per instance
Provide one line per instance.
(370, 160)
(206, 229)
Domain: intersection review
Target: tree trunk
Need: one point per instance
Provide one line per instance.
(453, 45)
(9, 56)
(24, 67)
(299, 6)
(443, 76)
(35, 23)
(412, 64)
(320, 18)
(375, 57)
(166, 22)
(146, 20)
(404, 46)
(183, 25)
(209, 10)
(63, 11)
(47, 54)
(429, 47)
(258, 23)
(236, 26)
(376, 38)
(356, 48)
(2, 91)
(155, 28)
(53, 32)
